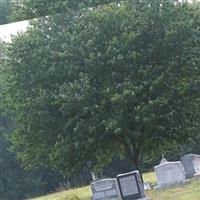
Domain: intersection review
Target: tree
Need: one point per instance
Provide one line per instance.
(29, 9)
(15, 182)
(115, 79)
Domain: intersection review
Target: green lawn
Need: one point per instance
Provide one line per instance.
(191, 191)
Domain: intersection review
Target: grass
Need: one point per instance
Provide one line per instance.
(75, 194)
(190, 191)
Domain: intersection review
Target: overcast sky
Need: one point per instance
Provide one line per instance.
(7, 30)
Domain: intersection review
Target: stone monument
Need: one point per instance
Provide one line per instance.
(191, 163)
(131, 186)
(147, 186)
(105, 189)
(169, 174)
(163, 160)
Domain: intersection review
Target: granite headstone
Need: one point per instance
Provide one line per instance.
(131, 186)
(105, 189)
(191, 163)
(169, 174)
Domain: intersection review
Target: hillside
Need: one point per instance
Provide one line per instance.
(191, 191)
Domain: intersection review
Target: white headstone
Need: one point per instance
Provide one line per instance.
(196, 163)
(105, 189)
(94, 177)
(164, 160)
(169, 174)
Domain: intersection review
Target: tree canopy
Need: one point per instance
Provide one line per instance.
(116, 79)
(6, 8)
(29, 9)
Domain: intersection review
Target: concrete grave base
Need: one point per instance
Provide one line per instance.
(109, 199)
(146, 198)
(196, 176)
(163, 187)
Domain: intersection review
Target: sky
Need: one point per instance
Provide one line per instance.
(9, 30)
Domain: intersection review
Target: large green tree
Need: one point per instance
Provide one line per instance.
(112, 79)
(29, 9)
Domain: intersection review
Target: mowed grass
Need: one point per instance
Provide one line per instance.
(75, 194)
(190, 191)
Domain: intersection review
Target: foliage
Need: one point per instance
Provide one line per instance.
(15, 182)
(6, 9)
(113, 79)
(36, 8)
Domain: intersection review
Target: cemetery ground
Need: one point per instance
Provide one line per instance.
(189, 191)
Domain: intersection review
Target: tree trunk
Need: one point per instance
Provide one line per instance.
(136, 162)
(133, 154)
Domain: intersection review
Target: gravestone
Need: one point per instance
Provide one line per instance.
(147, 186)
(94, 177)
(131, 186)
(163, 160)
(196, 163)
(105, 189)
(169, 174)
(191, 163)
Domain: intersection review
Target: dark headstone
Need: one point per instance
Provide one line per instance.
(131, 186)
